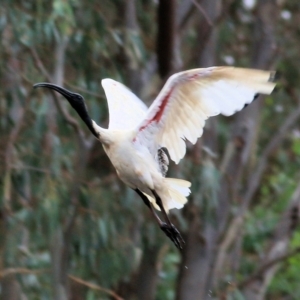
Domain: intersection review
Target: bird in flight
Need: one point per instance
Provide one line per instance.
(137, 136)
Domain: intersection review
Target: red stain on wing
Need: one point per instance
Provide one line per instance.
(193, 77)
(156, 118)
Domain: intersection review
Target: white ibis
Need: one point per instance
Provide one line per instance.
(136, 135)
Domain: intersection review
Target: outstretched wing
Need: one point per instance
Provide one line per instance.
(189, 98)
(126, 110)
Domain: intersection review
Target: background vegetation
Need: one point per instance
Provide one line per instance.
(69, 229)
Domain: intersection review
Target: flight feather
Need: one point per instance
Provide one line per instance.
(188, 98)
(126, 110)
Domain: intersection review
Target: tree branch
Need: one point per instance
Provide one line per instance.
(95, 287)
(24, 271)
(258, 273)
(11, 271)
(9, 152)
(277, 248)
(203, 12)
(39, 64)
(255, 179)
(183, 13)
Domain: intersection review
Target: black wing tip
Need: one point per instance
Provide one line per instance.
(274, 76)
(254, 98)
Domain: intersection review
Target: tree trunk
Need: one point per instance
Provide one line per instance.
(11, 289)
(147, 276)
(165, 37)
(194, 267)
(199, 252)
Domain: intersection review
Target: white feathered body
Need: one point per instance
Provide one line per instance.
(138, 168)
(133, 162)
(187, 100)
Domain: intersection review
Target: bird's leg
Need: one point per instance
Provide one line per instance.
(147, 202)
(168, 228)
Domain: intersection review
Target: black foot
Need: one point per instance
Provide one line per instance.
(173, 234)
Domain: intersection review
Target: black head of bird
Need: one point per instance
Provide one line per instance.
(76, 101)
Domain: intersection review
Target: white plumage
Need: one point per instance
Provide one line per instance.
(178, 113)
(126, 110)
(195, 95)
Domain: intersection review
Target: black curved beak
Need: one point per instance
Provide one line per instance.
(76, 101)
(67, 94)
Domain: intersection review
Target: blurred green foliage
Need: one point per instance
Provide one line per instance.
(112, 225)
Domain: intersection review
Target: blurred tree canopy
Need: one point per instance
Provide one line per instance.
(69, 229)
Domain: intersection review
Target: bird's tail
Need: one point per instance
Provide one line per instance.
(178, 190)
